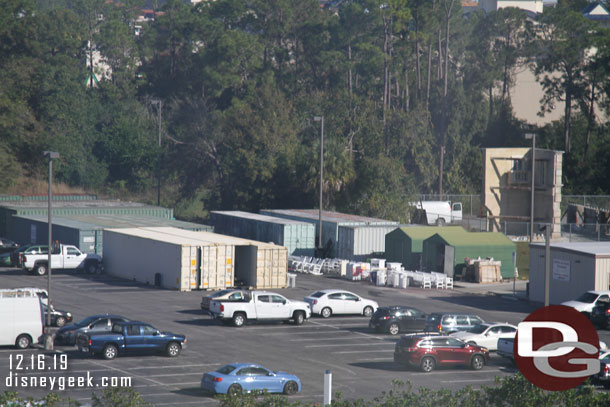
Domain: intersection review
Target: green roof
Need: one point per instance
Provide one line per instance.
(424, 232)
(476, 238)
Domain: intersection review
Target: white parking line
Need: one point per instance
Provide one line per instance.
(176, 366)
(338, 328)
(174, 374)
(325, 339)
(334, 331)
(371, 359)
(364, 351)
(125, 372)
(352, 344)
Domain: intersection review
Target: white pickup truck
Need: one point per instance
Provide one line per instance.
(67, 257)
(505, 348)
(262, 306)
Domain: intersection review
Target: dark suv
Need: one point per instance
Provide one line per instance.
(398, 319)
(600, 315)
(429, 351)
(450, 322)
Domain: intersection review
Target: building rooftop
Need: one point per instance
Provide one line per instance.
(260, 217)
(329, 216)
(594, 248)
(97, 222)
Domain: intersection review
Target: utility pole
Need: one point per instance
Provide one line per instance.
(159, 104)
(48, 340)
(321, 120)
(533, 173)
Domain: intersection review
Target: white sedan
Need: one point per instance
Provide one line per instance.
(330, 302)
(487, 334)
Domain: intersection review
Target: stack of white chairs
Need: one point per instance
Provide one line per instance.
(448, 283)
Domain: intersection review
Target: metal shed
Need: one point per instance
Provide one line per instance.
(361, 242)
(576, 267)
(168, 259)
(77, 207)
(330, 222)
(299, 237)
(446, 251)
(85, 231)
(405, 244)
(257, 264)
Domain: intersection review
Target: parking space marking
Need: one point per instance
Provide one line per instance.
(372, 359)
(325, 339)
(351, 344)
(125, 372)
(176, 366)
(338, 328)
(174, 374)
(364, 351)
(334, 331)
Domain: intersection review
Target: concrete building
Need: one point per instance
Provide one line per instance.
(507, 189)
(574, 269)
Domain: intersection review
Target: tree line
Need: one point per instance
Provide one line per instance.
(410, 91)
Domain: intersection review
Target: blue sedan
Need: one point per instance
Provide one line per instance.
(237, 378)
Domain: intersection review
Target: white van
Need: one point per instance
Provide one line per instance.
(21, 318)
(441, 212)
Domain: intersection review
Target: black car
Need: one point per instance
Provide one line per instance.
(7, 245)
(398, 319)
(94, 324)
(58, 317)
(600, 315)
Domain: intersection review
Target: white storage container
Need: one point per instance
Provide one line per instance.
(378, 263)
(381, 277)
(404, 280)
(394, 266)
(395, 279)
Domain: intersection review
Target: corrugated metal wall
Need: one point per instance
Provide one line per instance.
(582, 275)
(602, 278)
(361, 242)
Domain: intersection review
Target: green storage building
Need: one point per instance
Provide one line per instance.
(446, 251)
(405, 244)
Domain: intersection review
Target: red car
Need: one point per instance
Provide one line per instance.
(428, 351)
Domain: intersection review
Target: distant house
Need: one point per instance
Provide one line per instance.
(533, 6)
(596, 11)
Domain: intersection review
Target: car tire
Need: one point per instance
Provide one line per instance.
(427, 364)
(440, 222)
(234, 390)
(239, 320)
(60, 321)
(41, 269)
(110, 352)
(173, 349)
(299, 317)
(394, 329)
(290, 388)
(326, 312)
(367, 311)
(23, 341)
(477, 362)
(91, 267)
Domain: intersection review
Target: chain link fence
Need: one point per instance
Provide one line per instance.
(472, 209)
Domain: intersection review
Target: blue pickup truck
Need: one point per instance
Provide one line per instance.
(131, 337)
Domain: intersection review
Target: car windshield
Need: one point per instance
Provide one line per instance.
(478, 329)
(220, 293)
(226, 369)
(317, 294)
(587, 298)
(432, 318)
(86, 321)
(381, 312)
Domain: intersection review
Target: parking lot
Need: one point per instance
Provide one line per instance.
(360, 360)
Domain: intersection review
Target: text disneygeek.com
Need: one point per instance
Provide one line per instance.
(15, 380)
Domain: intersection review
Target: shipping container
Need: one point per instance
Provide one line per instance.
(84, 231)
(268, 270)
(76, 208)
(168, 260)
(447, 252)
(405, 244)
(298, 237)
(361, 242)
(330, 223)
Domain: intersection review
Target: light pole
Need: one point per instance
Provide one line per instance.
(321, 120)
(533, 137)
(48, 341)
(159, 104)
